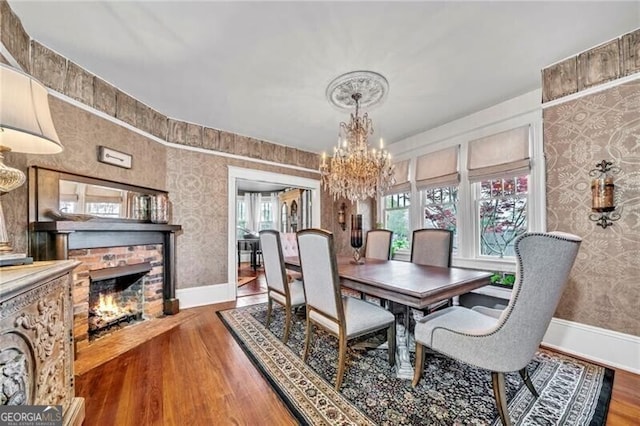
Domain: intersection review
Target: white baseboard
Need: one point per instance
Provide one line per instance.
(602, 346)
(204, 295)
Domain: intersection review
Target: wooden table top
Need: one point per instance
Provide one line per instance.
(412, 285)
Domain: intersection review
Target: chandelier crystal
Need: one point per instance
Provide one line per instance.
(356, 171)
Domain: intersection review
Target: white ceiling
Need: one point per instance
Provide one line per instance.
(261, 68)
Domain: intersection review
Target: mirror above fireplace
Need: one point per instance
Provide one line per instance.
(66, 196)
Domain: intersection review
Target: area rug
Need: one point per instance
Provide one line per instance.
(572, 392)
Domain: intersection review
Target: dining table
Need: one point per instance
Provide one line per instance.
(405, 283)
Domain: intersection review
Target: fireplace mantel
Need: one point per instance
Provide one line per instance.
(52, 240)
(102, 226)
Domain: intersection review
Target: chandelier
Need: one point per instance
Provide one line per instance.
(356, 171)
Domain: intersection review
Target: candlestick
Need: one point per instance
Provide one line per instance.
(356, 237)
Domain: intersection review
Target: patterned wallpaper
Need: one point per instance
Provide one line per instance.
(81, 133)
(604, 289)
(197, 185)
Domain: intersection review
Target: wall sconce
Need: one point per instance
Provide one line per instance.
(341, 216)
(602, 194)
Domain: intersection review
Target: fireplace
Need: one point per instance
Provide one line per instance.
(102, 245)
(132, 277)
(116, 298)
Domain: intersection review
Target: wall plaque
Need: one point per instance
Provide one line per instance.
(113, 157)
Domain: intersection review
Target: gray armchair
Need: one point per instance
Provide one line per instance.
(280, 290)
(344, 317)
(505, 341)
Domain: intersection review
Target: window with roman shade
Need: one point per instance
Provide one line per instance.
(401, 173)
(502, 154)
(438, 169)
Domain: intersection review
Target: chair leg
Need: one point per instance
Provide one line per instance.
(269, 307)
(287, 324)
(501, 397)
(391, 343)
(417, 374)
(307, 339)
(342, 348)
(527, 381)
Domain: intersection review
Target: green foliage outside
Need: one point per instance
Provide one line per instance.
(398, 244)
(503, 279)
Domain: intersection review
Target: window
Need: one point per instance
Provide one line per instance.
(440, 210)
(104, 209)
(266, 214)
(486, 187)
(502, 214)
(241, 212)
(396, 219)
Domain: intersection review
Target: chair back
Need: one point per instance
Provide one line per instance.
(544, 261)
(378, 244)
(432, 247)
(274, 270)
(320, 273)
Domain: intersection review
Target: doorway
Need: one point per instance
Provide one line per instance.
(239, 177)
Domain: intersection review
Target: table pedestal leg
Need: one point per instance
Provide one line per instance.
(404, 369)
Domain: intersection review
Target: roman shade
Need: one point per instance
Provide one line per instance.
(505, 153)
(438, 169)
(401, 173)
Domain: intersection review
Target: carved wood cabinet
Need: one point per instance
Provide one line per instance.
(36, 337)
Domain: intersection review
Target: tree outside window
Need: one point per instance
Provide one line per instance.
(396, 215)
(502, 210)
(440, 210)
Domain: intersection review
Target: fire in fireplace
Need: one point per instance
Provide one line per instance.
(116, 297)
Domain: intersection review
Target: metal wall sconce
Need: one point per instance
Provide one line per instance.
(602, 194)
(342, 221)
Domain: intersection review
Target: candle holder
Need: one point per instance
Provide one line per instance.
(602, 194)
(356, 238)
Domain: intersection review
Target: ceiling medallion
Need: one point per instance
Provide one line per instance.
(371, 86)
(356, 171)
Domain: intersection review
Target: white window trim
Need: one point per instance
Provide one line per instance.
(521, 111)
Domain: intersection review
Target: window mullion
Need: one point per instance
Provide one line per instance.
(466, 211)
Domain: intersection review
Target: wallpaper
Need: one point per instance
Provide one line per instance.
(197, 185)
(604, 289)
(81, 133)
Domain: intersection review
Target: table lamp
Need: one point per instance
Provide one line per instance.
(25, 126)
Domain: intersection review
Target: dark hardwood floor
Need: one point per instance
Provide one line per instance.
(196, 374)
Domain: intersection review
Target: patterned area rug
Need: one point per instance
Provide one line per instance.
(572, 392)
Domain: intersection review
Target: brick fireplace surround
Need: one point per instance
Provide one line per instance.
(102, 244)
(109, 257)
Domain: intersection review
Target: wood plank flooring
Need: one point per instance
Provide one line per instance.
(196, 374)
(258, 285)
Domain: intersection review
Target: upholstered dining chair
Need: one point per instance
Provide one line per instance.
(505, 341)
(288, 294)
(378, 244)
(432, 247)
(344, 317)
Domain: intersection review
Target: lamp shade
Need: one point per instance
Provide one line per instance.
(25, 120)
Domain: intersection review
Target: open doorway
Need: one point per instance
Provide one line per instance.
(257, 208)
(264, 200)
